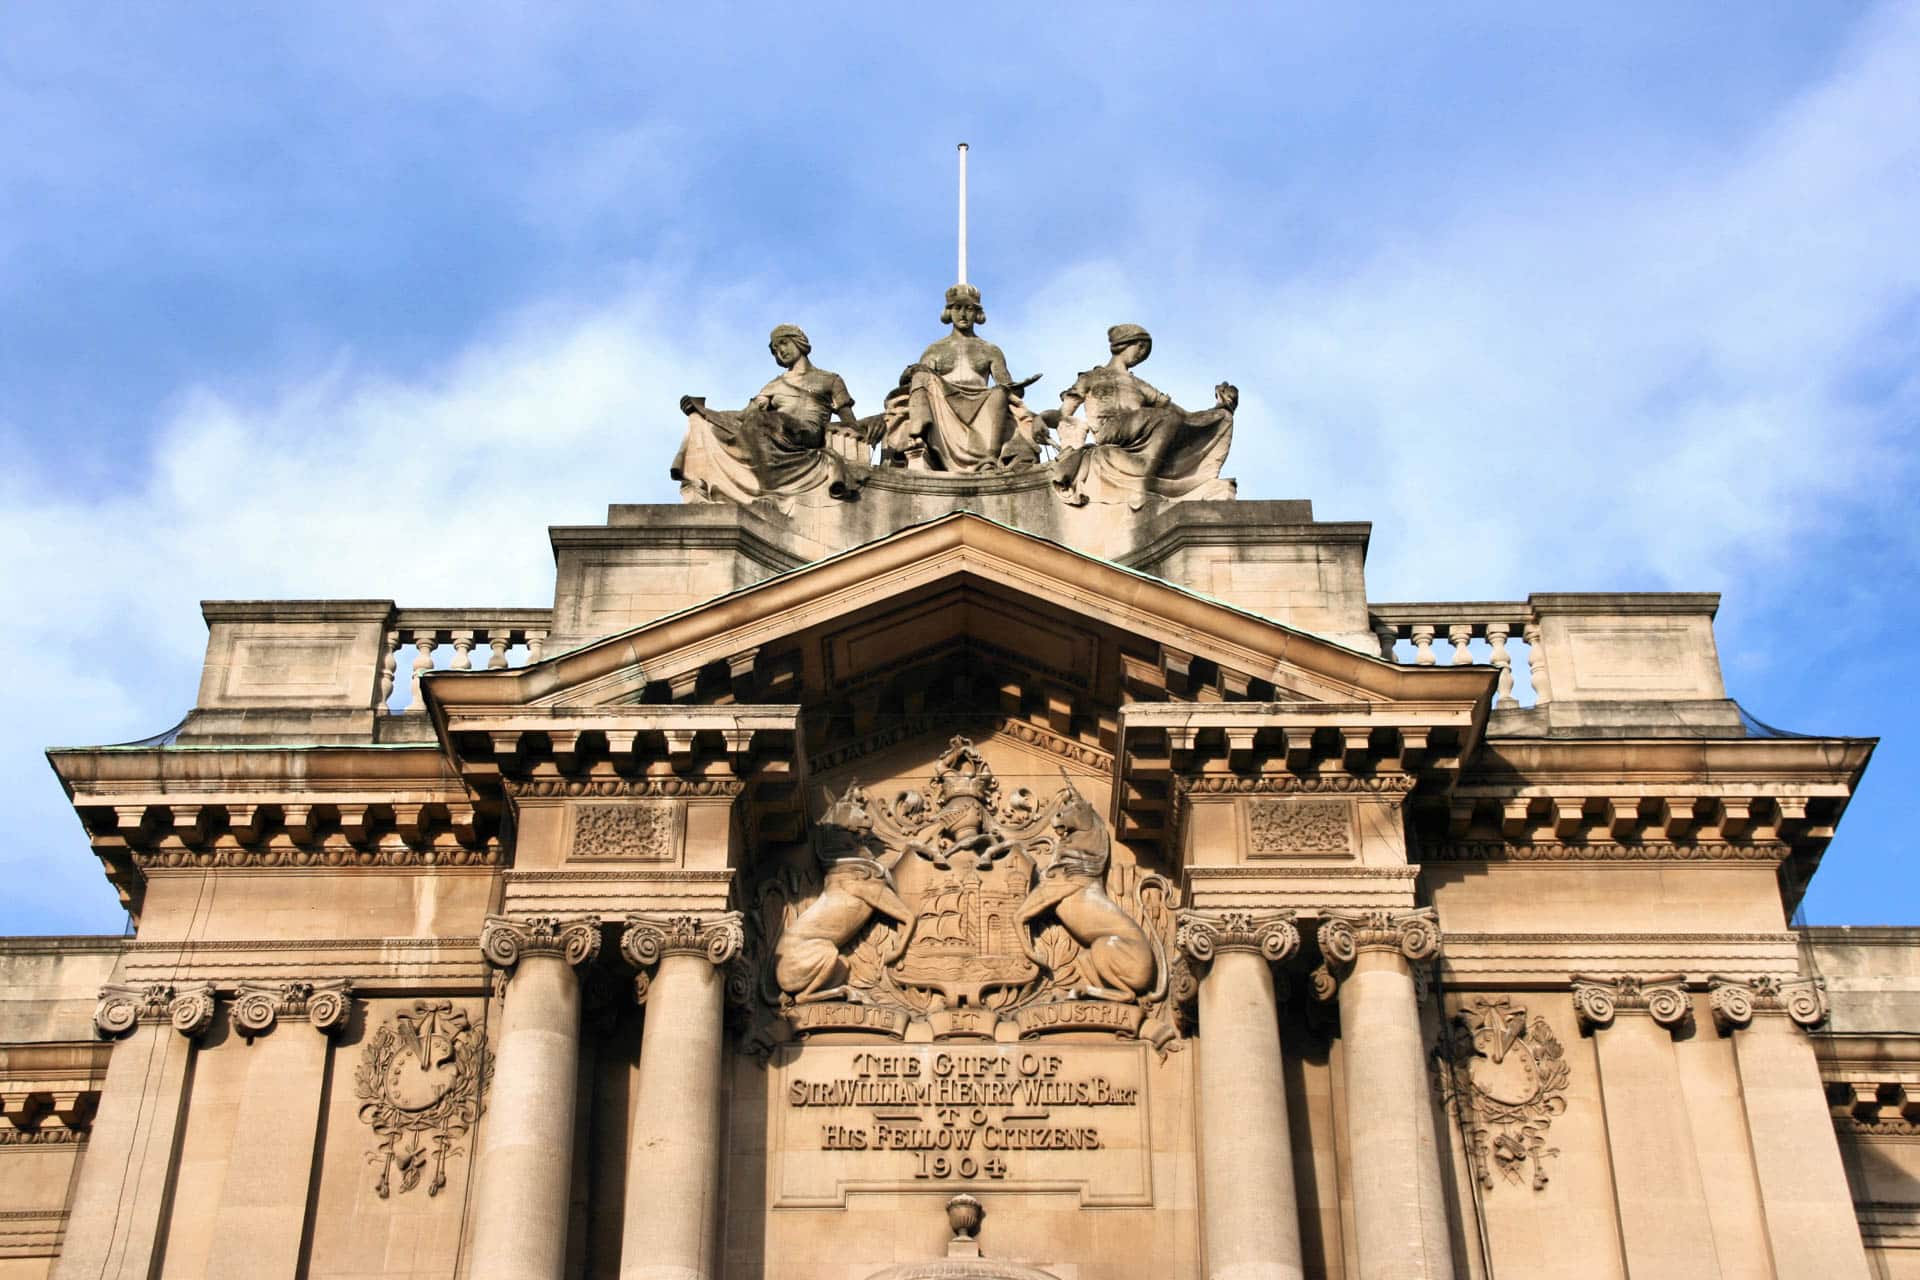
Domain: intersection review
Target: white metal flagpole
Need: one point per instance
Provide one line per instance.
(963, 214)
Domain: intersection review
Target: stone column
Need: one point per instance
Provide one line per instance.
(1399, 1205)
(526, 1140)
(126, 1174)
(672, 1220)
(263, 1201)
(1251, 1215)
(1661, 1197)
(1811, 1224)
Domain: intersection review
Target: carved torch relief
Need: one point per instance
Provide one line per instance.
(971, 911)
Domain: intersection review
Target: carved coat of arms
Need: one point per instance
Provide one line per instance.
(420, 1083)
(963, 905)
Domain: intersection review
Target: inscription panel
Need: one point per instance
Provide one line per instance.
(948, 1118)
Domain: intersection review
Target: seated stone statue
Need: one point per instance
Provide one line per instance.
(1138, 442)
(775, 448)
(964, 411)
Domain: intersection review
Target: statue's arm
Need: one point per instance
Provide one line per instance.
(842, 404)
(998, 362)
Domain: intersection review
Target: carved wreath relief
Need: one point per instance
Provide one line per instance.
(963, 906)
(1505, 1078)
(420, 1082)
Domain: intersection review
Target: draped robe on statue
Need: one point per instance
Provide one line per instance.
(1142, 443)
(774, 448)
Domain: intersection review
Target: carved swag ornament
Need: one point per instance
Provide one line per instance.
(421, 1080)
(962, 907)
(1505, 1079)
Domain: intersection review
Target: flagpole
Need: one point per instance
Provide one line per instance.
(963, 213)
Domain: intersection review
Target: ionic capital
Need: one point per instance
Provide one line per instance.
(506, 941)
(1736, 1001)
(1204, 934)
(716, 937)
(188, 1008)
(1598, 1000)
(325, 1005)
(1413, 934)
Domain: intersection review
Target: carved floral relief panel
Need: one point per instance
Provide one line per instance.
(643, 831)
(1297, 827)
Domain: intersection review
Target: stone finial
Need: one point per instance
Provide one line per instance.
(1599, 1000)
(1203, 934)
(1736, 1002)
(504, 941)
(964, 1215)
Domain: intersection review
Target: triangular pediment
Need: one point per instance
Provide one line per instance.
(958, 585)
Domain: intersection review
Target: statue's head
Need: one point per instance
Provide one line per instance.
(1129, 341)
(963, 307)
(793, 338)
(1227, 396)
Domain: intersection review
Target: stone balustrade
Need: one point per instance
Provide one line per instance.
(329, 663)
(457, 640)
(1616, 648)
(1500, 624)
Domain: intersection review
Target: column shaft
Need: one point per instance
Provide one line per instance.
(674, 1157)
(1399, 1208)
(526, 1145)
(1246, 1153)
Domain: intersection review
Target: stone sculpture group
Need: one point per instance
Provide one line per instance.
(957, 411)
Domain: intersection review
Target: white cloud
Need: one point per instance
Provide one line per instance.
(1592, 391)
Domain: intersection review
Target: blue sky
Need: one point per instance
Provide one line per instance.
(357, 300)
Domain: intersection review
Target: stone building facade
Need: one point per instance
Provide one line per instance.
(886, 838)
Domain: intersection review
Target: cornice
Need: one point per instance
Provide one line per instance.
(1603, 852)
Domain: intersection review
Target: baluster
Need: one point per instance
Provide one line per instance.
(498, 642)
(462, 647)
(1537, 664)
(1497, 633)
(389, 669)
(536, 644)
(1460, 635)
(1423, 647)
(424, 642)
(1388, 634)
